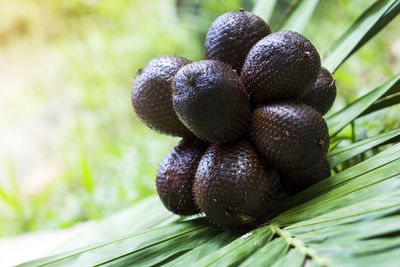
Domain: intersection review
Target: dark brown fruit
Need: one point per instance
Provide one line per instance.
(322, 96)
(232, 35)
(282, 65)
(296, 181)
(209, 99)
(176, 174)
(291, 136)
(233, 187)
(151, 95)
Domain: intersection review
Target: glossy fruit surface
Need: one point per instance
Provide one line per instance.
(176, 175)
(233, 187)
(291, 136)
(209, 99)
(282, 65)
(232, 35)
(151, 95)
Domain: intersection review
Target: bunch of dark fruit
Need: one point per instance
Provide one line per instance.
(250, 115)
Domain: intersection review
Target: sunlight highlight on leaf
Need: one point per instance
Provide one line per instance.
(264, 9)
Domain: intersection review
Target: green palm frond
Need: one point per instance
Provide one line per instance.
(364, 28)
(339, 155)
(264, 9)
(349, 219)
(339, 120)
(300, 17)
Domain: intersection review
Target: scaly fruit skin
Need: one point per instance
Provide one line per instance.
(233, 187)
(296, 181)
(322, 96)
(151, 96)
(282, 65)
(291, 136)
(232, 35)
(209, 98)
(176, 175)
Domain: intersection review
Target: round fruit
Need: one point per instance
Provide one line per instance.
(176, 174)
(209, 99)
(282, 65)
(151, 95)
(296, 181)
(232, 35)
(233, 187)
(291, 136)
(322, 96)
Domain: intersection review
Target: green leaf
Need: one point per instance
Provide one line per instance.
(100, 232)
(203, 250)
(264, 9)
(363, 29)
(341, 154)
(237, 250)
(340, 119)
(268, 254)
(357, 248)
(158, 251)
(300, 16)
(382, 103)
(374, 207)
(295, 258)
(359, 230)
(388, 258)
(182, 236)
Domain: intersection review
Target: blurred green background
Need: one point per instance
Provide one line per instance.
(71, 148)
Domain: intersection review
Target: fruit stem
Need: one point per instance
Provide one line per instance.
(299, 245)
